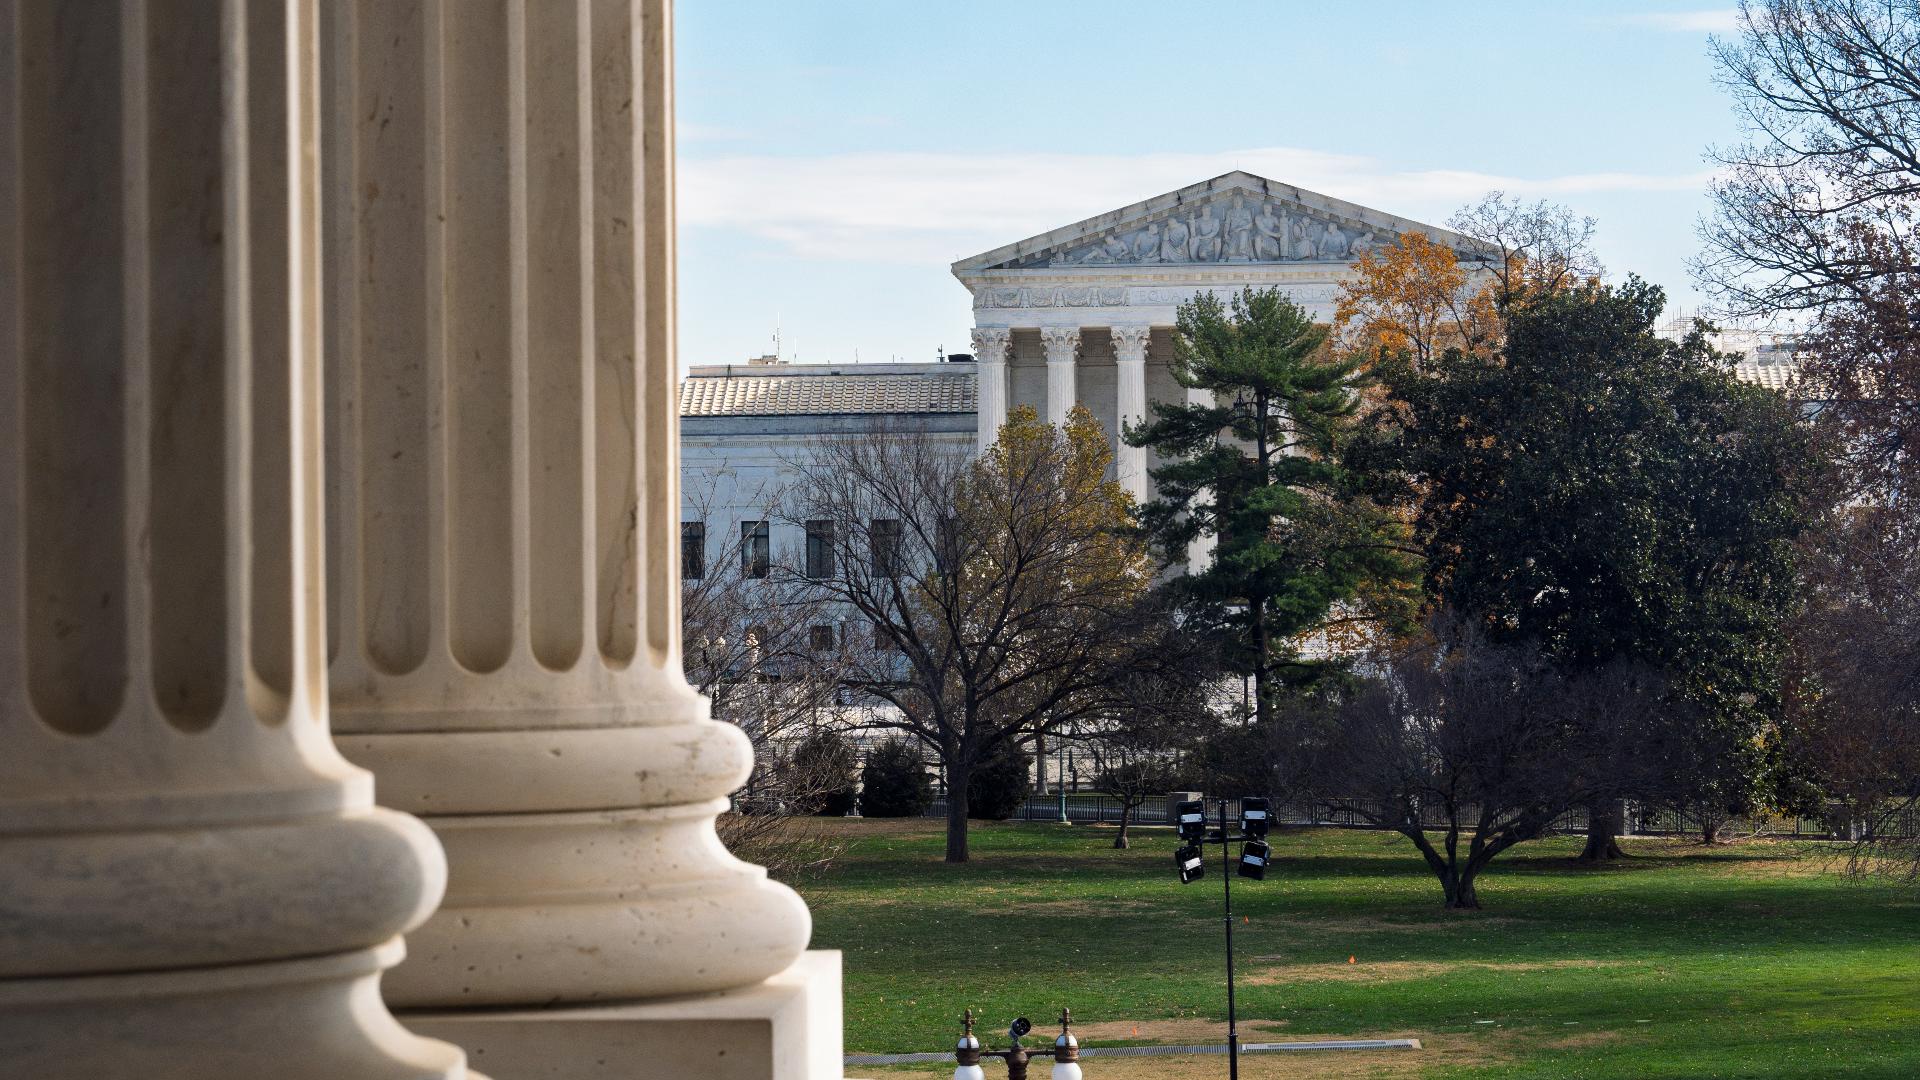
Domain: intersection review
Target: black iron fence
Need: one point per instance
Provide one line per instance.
(1088, 808)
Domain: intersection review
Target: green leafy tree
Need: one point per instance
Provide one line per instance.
(997, 787)
(894, 782)
(1608, 493)
(1257, 468)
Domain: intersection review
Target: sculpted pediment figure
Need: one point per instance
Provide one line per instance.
(1235, 218)
(1239, 230)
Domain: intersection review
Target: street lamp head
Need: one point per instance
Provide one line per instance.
(967, 1053)
(1066, 1050)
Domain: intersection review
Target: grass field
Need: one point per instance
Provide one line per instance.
(1751, 960)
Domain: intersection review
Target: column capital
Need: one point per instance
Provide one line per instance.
(1062, 343)
(990, 343)
(1130, 342)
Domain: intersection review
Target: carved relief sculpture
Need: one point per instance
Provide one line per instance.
(1206, 236)
(1333, 242)
(1303, 245)
(1239, 231)
(1173, 243)
(1146, 244)
(1270, 244)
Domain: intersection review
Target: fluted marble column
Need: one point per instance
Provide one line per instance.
(1063, 350)
(990, 345)
(193, 882)
(1200, 551)
(1130, 356)
(504, 507)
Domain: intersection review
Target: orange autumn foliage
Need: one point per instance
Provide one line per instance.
(1415, 298)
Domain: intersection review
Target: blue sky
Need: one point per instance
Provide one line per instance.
(837, 155)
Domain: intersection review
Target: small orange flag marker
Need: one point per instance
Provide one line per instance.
(1349, 959)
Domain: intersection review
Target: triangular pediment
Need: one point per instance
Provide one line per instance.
(1238, 218)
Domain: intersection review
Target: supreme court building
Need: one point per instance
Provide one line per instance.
(1084, 314)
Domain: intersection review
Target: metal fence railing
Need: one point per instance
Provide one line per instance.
(1087, 808)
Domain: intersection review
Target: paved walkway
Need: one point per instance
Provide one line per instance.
(1156, 1051)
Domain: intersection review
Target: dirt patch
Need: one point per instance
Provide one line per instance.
(1582, 1040)
(1361, 924)
(1402, 970)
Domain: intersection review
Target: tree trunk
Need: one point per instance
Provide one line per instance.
(957, 776)
(1126, 811)
(1603, 826)
(1461, 894)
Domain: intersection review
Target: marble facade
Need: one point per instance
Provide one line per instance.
(1083, 313)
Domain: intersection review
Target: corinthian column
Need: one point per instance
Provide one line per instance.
(193, 883)
(1063, 348)
(505, 508)
(1130, 356)
(990, 354)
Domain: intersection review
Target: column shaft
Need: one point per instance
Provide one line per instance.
(990, 344)
(1130, 355)
(193, 882)
(1063, 349)
(505, 506)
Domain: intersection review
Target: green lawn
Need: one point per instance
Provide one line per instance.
(1752, 960)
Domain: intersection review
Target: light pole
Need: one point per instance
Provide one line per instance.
(1255, 853)
(1060, 778)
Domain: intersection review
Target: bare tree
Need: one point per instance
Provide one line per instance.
(1829, 96)
(1856, 717)
(1467, 748)
(1543, 247)
(996, 598)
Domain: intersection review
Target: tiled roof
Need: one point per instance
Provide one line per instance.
(792, 395)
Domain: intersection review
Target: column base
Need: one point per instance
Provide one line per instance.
(786, 1028)
(318, 1018)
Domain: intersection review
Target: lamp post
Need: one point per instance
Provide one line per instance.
(1255, 853)
(1060, 778)
(1065, 1051)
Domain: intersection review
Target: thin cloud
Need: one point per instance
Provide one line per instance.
(924, 208)
(1709, 21)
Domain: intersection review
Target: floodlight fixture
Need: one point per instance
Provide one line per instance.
(1254, 856)
(1255, 816)
(1192, 867)
(1191, 819)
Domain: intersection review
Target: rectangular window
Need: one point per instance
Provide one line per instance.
(820, 639)
(756, 550)
(885, 538)
(693, 550)
(819, 549)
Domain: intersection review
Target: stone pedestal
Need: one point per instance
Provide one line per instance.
(505, 512)
(193, 882)
(787, 1025)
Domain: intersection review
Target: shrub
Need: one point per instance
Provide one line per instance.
(895, 782)
(998, 786)
(820, 775)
